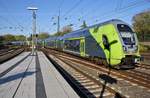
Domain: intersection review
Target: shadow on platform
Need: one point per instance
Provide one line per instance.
(107, 79)
(15, 77)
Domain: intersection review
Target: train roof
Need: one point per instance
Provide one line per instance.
(113, 21)
(51, 38)
(83, 32)
(79, 33)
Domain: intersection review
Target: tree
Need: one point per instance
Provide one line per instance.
(141, 23)
(20, 38)
(84, 25)
(58, 34)
(65, 30)
(43, 35)
(9, 38)
(1, 38)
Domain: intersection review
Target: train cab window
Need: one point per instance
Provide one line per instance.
(127, 40)
(126, 34)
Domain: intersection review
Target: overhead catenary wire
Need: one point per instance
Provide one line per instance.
(68, 12)
(16, 22)
(119, 4)
(121, 10)
(72, 8)
(85, 14)
(6, 20)
(99, 4)
(57, 12)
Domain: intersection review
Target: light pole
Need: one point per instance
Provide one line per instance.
(58, 21)
(33, 9)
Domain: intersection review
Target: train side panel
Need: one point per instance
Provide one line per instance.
(92, 48)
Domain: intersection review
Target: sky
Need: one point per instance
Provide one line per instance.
(16, 19)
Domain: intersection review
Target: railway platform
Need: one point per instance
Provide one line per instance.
(32, 76)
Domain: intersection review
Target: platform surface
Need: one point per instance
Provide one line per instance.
(32, 76)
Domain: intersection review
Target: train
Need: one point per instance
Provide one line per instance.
(114, 43)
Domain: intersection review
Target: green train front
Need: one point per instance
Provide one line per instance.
(113, 42)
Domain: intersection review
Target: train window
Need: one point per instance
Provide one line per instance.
(128, 41)
(72, 45)
(124, 28)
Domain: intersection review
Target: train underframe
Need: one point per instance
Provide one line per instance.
(126, 63)
(130, 61)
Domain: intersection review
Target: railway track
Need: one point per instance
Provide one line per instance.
(134, 78)
(146, 54)
(85, 83)
(144, 66)
(6, 51)
(146, 57)
(130, 75)
(10, 54)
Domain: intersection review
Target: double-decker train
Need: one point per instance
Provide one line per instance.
(113, 42)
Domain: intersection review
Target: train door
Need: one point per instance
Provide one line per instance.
(82, 47)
